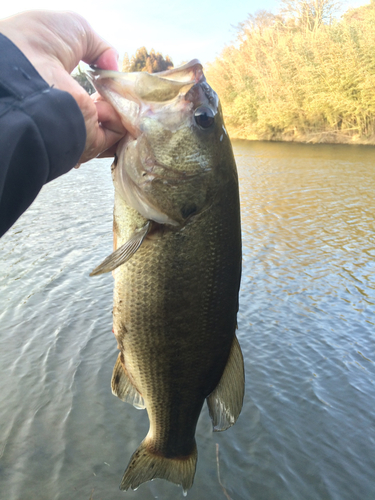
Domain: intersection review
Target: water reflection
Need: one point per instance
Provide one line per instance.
(306, 326)
(307, 310)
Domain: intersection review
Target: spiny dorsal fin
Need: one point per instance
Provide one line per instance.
(123, 388)
(124, 253)
(225, 402)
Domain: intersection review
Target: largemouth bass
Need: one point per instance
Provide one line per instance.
(177, 265)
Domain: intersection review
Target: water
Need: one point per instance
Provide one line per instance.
(306, 327)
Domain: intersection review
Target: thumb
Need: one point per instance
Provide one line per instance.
(65, 37)
(96, 50)
(108, 60)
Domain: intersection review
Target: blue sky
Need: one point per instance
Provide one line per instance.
(190, 29)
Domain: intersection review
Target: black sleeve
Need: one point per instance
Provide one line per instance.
(42, 133)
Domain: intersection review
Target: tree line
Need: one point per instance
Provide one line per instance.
(302, 74)
(152, 62)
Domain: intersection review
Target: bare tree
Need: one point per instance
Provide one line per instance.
(261, 20)
(310, 14)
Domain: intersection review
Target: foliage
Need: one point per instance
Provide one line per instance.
(143, 61)
(297, 75)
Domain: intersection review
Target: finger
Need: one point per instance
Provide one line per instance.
(96, 50)
(108, 117)
(110, 152)
(108, 60)
(96, 97)
(111, 139)
(79, 41)
(103, 140)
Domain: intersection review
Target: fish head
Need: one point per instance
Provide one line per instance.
(171, 164)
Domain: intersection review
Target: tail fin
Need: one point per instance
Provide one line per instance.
(145, 465)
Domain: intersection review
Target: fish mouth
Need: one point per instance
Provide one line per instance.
(138, 94)
(191, 72)
(152, 87)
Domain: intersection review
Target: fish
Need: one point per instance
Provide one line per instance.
(176, 265)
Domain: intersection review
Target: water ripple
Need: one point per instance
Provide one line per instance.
(306, 327)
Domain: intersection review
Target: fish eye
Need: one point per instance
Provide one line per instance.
(204, 116)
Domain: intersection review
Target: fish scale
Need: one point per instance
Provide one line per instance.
(177, 267)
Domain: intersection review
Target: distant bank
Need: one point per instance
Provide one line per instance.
(310, 138)
(302, 75)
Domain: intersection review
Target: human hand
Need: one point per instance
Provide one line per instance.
(55, 42)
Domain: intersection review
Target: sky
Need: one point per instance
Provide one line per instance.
(184, 30)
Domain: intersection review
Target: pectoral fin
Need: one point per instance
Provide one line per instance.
(225, 402)
(124, 253)
(123, 388)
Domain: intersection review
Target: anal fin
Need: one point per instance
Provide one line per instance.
(123, 388)
(225, 401)
(124, 253)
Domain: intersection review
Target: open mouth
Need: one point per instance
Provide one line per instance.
(136, 94)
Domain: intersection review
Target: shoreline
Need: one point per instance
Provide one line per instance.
(325, 137)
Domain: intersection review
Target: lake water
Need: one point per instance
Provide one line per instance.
(306, 327)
